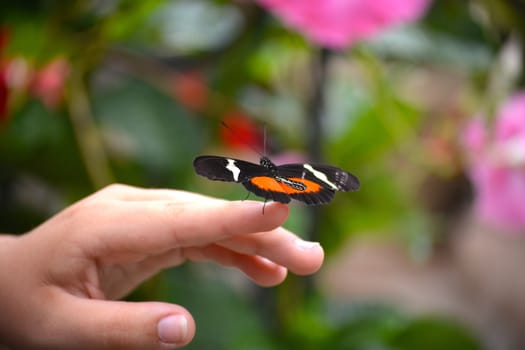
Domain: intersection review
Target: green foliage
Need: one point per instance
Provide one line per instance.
(384, 330)
(145, 127)
(434, 334)
(39, 141)
(364, 327)
(226, 318)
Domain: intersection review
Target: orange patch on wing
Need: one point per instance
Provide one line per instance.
(310, 185)
(270, 184)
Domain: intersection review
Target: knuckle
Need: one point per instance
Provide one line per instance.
(115, 188)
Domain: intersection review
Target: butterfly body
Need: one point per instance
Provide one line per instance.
(312, 184)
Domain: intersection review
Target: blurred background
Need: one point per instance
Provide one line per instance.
(420, 99)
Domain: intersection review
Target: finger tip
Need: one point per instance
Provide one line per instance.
(313, 261)
(177, 328)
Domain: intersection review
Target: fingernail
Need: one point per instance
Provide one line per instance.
(173, 329)
(305, 245)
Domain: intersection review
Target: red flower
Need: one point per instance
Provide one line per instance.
(242, 133)
(190, 90)
(339, 23)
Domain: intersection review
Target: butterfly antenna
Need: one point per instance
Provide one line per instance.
(252, 147)
(264, 140)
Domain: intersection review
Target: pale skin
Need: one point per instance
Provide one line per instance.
(60, 283)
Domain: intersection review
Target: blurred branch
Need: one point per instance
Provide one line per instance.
(317, 103)
(507, 18)
(294, 294)
(88, 138)
(504, 74)
(316, 110)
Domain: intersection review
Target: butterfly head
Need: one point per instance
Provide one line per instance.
(267, 163)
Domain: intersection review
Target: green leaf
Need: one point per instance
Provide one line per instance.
(434, 334)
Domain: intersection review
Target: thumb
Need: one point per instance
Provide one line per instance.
(102, 324)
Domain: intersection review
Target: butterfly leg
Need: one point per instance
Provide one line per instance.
(264, 204)
(247, 195)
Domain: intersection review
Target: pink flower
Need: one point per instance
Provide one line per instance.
(289, 157)
(48, 83)
(339, 23)
(497, 168)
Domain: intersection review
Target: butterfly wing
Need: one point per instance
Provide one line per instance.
(320, 181)
(328, 176)
(289, 182)
(227, 169)
(311, 184)
(255, 178)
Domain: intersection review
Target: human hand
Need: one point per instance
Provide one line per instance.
(58, 282)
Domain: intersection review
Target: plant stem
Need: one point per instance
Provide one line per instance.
(88, 137)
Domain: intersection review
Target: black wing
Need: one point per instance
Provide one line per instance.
(330, 177)
(236, 170)
(227, 169)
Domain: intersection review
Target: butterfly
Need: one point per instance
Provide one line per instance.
(312, 184)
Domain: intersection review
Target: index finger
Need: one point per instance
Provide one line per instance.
(153, 227)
